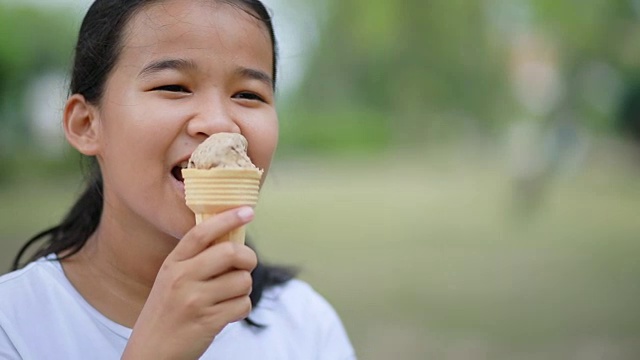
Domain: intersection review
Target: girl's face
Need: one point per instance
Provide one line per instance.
(188, 69)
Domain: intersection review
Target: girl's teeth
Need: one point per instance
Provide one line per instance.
(184, 164)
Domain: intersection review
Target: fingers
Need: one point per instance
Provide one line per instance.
(207, 294)
(231, 285)
(203, 235)
(221, 258)
(236, 309)
(229, 311)
(220, 301)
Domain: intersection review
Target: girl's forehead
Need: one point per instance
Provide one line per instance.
(209, 32)
(178, 20)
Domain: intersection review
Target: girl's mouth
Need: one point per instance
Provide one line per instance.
(177, 171)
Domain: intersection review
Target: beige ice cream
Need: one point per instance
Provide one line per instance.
(222, 150)
(220, 176)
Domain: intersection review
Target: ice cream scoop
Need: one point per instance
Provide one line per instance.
(222, 150)
(220, 176)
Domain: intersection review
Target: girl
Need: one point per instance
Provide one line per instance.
(126, 274)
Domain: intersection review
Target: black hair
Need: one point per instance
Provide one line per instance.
(98, 47)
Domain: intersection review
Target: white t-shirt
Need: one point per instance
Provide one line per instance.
(42, 316)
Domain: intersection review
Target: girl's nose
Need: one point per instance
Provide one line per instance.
(212, 118)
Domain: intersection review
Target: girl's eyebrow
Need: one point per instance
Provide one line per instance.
(185, 64)
(255, 75)
(167, 64)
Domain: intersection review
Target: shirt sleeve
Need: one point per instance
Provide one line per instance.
(335, 343)
(312, 326)
(7, 350)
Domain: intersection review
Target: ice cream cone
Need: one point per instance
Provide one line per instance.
(211, 191)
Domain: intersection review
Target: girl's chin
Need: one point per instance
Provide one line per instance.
(183, 227)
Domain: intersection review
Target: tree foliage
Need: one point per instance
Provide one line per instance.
(32, 42)
(429, 68)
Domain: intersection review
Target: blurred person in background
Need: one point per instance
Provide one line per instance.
(126, 274)
(536, 85)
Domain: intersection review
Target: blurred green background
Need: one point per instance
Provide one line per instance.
(460, 178)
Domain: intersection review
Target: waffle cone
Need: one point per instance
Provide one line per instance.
(211, 191)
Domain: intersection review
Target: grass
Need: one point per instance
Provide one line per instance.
(428, 257)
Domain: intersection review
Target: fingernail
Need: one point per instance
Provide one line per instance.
(245, 213)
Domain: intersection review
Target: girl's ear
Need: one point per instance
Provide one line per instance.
(81, 125)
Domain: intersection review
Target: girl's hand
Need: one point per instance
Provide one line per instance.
(198, 291)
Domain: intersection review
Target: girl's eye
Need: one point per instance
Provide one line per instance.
(248, 96)
(172, 88)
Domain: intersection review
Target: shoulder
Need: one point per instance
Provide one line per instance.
(24, 280)
(26, 288)
(295, 299)
(41, 313)
(22, 295)
(298, 310)
(39, 292)
(293, 291)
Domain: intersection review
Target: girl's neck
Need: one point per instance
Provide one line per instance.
(117, 267)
